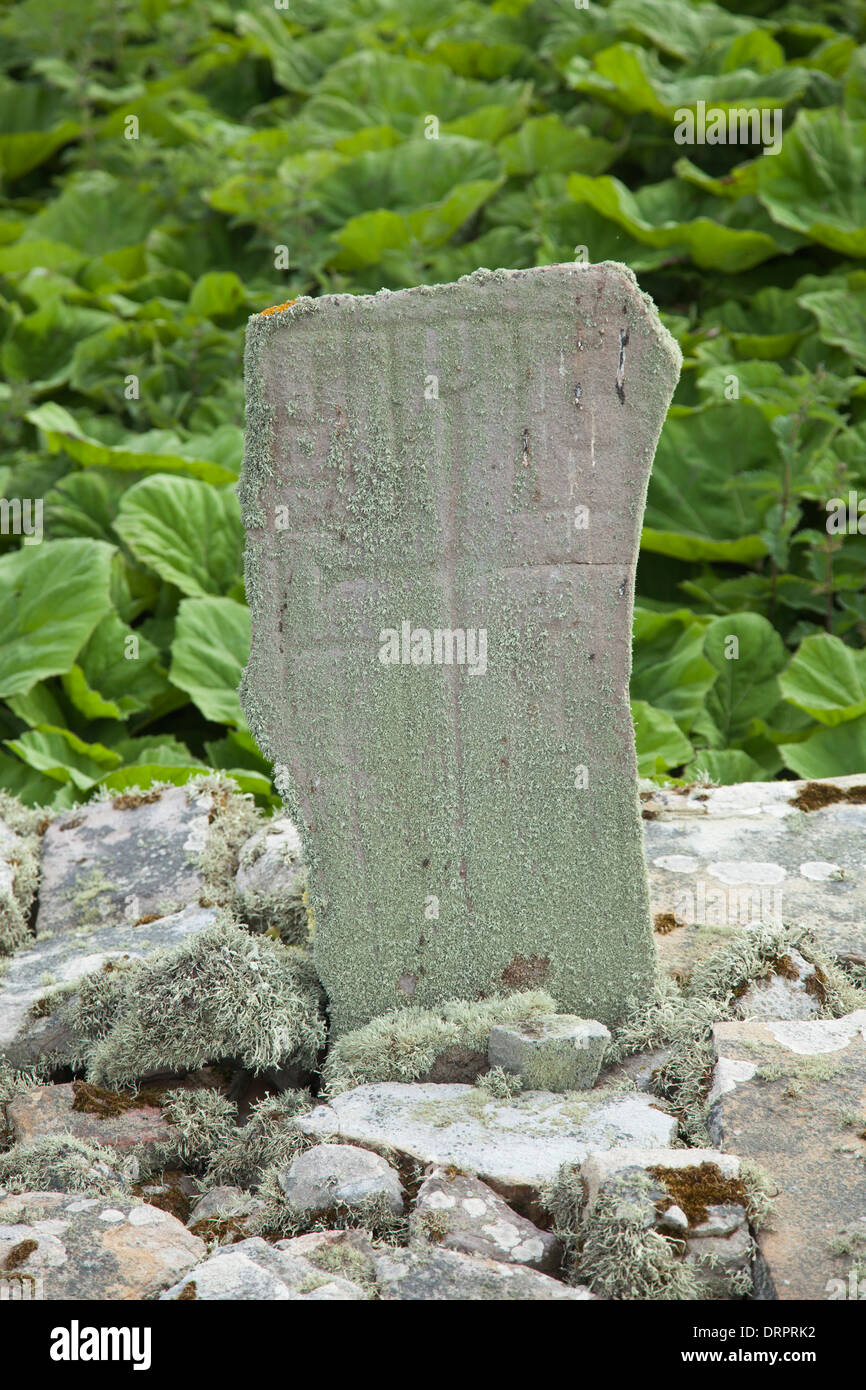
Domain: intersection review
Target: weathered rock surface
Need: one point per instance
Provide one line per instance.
(721, 857)
(555, 1053)
(338, 1175)
(223, 1211)
(791, 1095)
(51, 1110)
(92, 1247)
(515, 1145)
(36, 972)
(253, 1269)
(456, 1212)
(434, 1274)
(103, 863)
(508, 503)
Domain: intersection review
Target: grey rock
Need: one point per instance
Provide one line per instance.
(557, 1052)
(724, 857)
(225, 1210)
(103, 865)
(338, 1175)
(789, 1095)
(516, 1146)
(782, 995)
(51, 964)
(67, 1246)
(718, 1245)
(254, 1270)
(422, 1275)
(456, 1212)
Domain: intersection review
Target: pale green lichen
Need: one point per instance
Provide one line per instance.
(221, 995)
(62, 1163)
(269, 1139)
(404, 1044)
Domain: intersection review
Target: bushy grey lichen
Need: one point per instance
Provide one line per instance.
(680, 1019)
(277, 1220)
(404, 1044)
(223, 994)
(22, 856)
(621, 1255)
(62, 1163)
(267, 1140)
(205, 1121)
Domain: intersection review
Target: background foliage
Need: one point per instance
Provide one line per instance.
(261, 127)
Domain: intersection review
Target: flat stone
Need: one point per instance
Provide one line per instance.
(720, 858)
(780, 1096)
(505, 505)
(48, 1110)
(558, 1052)
(444, 1275)
(332, 1175)
(599, 1169)
(68, 1246)
(254, 1270)
(456, 1212)
(103, 864)
(48, 965)
(515, 1146)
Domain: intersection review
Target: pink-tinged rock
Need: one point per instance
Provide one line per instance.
(51, 1110)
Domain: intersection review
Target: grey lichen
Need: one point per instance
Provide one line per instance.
(223, 994)
(404, 1044)
(21, 829)
(62, 1163)
(269, 1139)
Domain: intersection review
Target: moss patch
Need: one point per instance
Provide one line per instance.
(697, 1188)
(815, 795)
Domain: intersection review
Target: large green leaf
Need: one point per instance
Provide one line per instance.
(659, 741)
(117, 673)
(188, 531)
(748, 655)
(210, 650)
(669, 669)
(827, 679)
(62, 756)
(155, 452)
(51, 598)
(829, 752)
(33, 124)
(817, 183)
(699, 507)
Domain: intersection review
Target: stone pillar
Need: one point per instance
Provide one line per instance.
(443, 490)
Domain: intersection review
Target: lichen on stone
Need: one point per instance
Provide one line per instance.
(403, 1045)
(222, 994)
(62, 1163)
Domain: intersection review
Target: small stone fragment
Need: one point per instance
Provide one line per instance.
(556, 1053)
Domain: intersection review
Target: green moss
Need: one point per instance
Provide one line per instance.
(404, 1044)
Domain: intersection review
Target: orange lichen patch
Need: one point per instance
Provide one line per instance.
(276, 308)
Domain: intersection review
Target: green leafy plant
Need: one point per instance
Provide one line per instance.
(168, 169)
